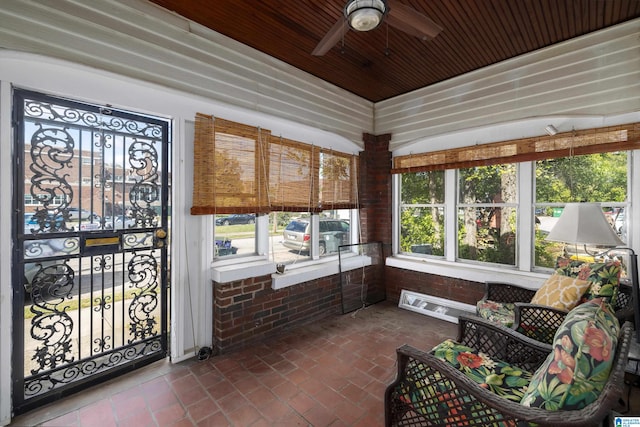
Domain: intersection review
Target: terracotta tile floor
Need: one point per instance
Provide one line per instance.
(331, 373)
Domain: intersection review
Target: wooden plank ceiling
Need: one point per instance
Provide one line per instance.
(386, 62)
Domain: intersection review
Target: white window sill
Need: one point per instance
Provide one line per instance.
(229, 270)
(239, 268)
(311, 271)
(475, 273)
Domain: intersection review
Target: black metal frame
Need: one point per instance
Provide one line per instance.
(57, 368)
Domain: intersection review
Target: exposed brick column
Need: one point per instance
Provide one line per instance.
(375, 190)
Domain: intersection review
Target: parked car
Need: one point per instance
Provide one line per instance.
(333, 233)
(75, 214)
(619, 224)
(119, 223)
(236, 219)
(31, 224)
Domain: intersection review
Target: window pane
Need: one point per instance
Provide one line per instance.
(422, 230)
(599, 178)
(335, 226)
(294, 243)
(422, 213)
(235, 235)
(422, 188)
(487, 214)
(488, 184)
(290, 237)
(487, 234)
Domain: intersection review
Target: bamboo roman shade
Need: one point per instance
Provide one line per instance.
(590, 141)
(293, 172)
(227, 161)
(338, 180)
(243, 169)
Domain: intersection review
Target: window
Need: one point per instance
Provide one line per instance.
(500, 199)
(422, 214)
(235, 234)
(33, 201)
(487, 214)
(277, 198)
(330, 229)
(599, 178)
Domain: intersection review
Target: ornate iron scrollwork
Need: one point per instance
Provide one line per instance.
(52, 326)
(143, 159)
(143, 274)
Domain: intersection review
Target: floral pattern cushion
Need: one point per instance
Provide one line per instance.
(497, 312)
(495, 375)
(440, 402)
(603, 276)
(583, 351)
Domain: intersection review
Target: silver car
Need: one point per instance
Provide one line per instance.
(333, 233)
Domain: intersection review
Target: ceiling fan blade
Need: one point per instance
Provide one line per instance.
(331, 38)
(409, 20)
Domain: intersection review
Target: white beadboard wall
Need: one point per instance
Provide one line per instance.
(138, 39)
(597, 75)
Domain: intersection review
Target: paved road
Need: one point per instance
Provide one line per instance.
(280, 253)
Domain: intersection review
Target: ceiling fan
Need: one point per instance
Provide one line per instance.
(365, 15)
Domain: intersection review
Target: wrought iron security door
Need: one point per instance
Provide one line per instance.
(90, 236)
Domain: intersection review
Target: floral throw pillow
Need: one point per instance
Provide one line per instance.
(576, 371)
(497, 312)
(604, 277)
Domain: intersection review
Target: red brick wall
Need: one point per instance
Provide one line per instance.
(249, 310)
(375, 190)
(464, 291)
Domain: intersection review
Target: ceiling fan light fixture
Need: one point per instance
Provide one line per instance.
(365, 15)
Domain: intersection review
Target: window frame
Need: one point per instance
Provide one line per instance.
(461, 205)
(525, 274)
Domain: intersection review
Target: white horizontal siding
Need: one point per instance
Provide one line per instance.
(137, 39)
(594, 75)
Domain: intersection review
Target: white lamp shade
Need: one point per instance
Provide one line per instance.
(584, 223)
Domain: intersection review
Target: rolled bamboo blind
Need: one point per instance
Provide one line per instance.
(590, 141)
(227, 167)
(338, 180)
(243, 169)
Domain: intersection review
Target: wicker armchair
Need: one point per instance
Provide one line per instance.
(468, 403)
(540, 322)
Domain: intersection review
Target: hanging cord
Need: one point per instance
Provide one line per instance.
(311, 181)
(357, 196)
(265, 179)
(193, 328)
(571, 165)
(571, 189)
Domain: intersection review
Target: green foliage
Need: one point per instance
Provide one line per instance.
(544, 251)
(423, 187)
(589, 178)
(492, 248)
(418, 228)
